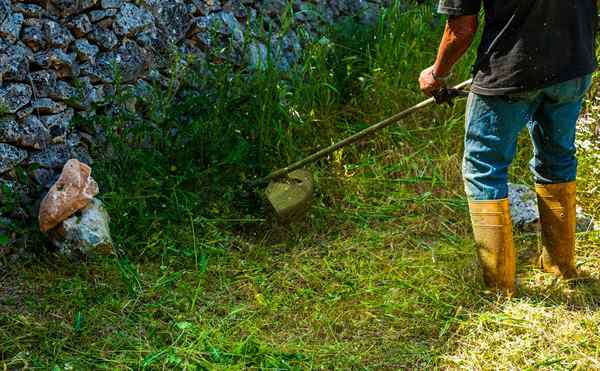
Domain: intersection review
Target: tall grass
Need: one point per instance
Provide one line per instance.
(190, 150)
(382, 274)
(177, 294)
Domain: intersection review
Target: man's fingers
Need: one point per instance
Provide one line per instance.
(431, 89)
(428, 84)
(428, 92)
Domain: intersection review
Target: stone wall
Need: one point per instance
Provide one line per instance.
(58, 59)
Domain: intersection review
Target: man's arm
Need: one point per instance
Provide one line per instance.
(458, 36)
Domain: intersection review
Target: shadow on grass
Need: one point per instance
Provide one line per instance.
(346, 288)
(550, 325)
(541, 287)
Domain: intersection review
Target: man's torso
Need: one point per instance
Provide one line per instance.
(530, 44)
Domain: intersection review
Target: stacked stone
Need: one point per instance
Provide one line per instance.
(61, 58)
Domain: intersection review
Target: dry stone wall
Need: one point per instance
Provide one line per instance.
(58, 59)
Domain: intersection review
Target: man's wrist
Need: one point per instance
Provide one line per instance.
(440, 78)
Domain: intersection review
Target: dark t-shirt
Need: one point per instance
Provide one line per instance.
(530, 44)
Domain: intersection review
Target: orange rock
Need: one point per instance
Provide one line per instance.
(73, 191)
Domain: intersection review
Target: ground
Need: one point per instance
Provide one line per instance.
(383, 277)
(380, 274)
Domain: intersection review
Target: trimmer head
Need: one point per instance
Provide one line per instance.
(291, 196)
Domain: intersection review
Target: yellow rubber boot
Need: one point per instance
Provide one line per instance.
(558, 221)
(492, 229)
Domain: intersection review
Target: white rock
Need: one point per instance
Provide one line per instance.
(525, 213)
(87, 232)
(523, 207)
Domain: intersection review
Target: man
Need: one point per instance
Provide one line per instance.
(533, 69)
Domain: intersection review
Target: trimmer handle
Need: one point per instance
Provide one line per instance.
(447, 95)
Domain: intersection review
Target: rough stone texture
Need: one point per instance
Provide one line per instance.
(32, 133)
(86, 233)
(80, 25)
(53, 157)
(523, 207)
(60, 59)
(34, 36)
(173, 19)
(104, 38)
(44, 177)
(24, 113)
(29, 10)
(14, 97)
(132, 20)
(10, 131)
(133, 61)
(525, 214)
(86, 51)
(43, 82)
(585, 222)
(10, 156)
(10, 28)
(45, 106)
(63, 91)
(70, 7)
(103, 69)
(73, 191)
(98, 15)
(57, 36)
(5, 9)
(14, 63)
(64, 63)
(111, 4)
(59, 125)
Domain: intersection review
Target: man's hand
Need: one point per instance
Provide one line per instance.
(428, 83)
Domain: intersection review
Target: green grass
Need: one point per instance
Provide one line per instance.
(381, 274)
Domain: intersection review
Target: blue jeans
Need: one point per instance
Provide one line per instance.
(493, 124)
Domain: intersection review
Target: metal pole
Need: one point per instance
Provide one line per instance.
(356, 137)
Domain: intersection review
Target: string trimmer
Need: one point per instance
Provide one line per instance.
(290, 189)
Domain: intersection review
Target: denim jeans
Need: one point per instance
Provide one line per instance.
(493, 124)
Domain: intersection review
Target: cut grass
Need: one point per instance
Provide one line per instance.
(382, 273)
(379, 280)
